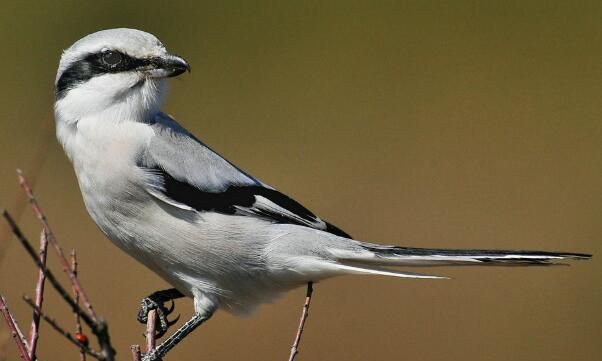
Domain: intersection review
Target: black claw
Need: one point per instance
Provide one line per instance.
(155, 303)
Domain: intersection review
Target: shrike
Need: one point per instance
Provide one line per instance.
(213, 231)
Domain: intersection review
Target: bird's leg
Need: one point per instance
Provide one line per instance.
(155, 301)
(176, 337)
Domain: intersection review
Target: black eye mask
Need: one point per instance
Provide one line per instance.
(95, 64)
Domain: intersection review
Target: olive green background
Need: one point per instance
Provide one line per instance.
(423, 123)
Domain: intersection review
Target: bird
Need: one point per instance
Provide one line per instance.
(214, 232)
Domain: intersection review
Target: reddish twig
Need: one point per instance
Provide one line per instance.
(99, 327)
(151, 324)
(150, 330)
(136, 353)
(59, 251)
(34, 332)
(78, 324)
(15, 330)
(49, 275)
(304, 315)
(19, 332)
(62, 331)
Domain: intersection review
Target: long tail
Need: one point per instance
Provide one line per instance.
(372, 258)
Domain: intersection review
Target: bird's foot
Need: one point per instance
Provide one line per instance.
(153, 302)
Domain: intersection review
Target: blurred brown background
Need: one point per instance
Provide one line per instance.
(417, 123)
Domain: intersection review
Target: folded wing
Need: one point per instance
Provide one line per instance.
(183, 172)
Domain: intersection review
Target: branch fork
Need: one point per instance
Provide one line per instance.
(27, 347)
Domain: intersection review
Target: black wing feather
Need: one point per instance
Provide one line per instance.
(237, 197)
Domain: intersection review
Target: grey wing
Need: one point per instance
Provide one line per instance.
(182, 171)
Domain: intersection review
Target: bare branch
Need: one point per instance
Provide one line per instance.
(102, 335)
(59, 251)
(151, 324)
(49, 275)
(99, 327)
(78, 324)
(34, 332)
(19, 332)
(304, 315)
(136, 353)
(62, 331)
(15, 330)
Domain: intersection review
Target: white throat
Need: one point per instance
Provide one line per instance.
(109, 101)
(116, 97)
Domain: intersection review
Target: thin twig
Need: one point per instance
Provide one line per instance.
(78, 324)
(151, 324)
(59, 251)
(150, 330)
(304, 315)
(136, 353)
(99, 327)
(34, 332)
(62, 331)
(19, 332)
(49, 275)
(15, 330)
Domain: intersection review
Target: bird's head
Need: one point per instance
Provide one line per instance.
(117, 72)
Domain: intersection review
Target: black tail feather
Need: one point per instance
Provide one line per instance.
(472, 255)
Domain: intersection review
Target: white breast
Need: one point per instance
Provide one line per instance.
(104, 155)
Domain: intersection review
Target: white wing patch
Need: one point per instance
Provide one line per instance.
(263, 206)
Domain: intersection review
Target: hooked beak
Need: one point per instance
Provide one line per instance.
(168, 66)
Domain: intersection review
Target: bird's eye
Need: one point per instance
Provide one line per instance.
(111, 58)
